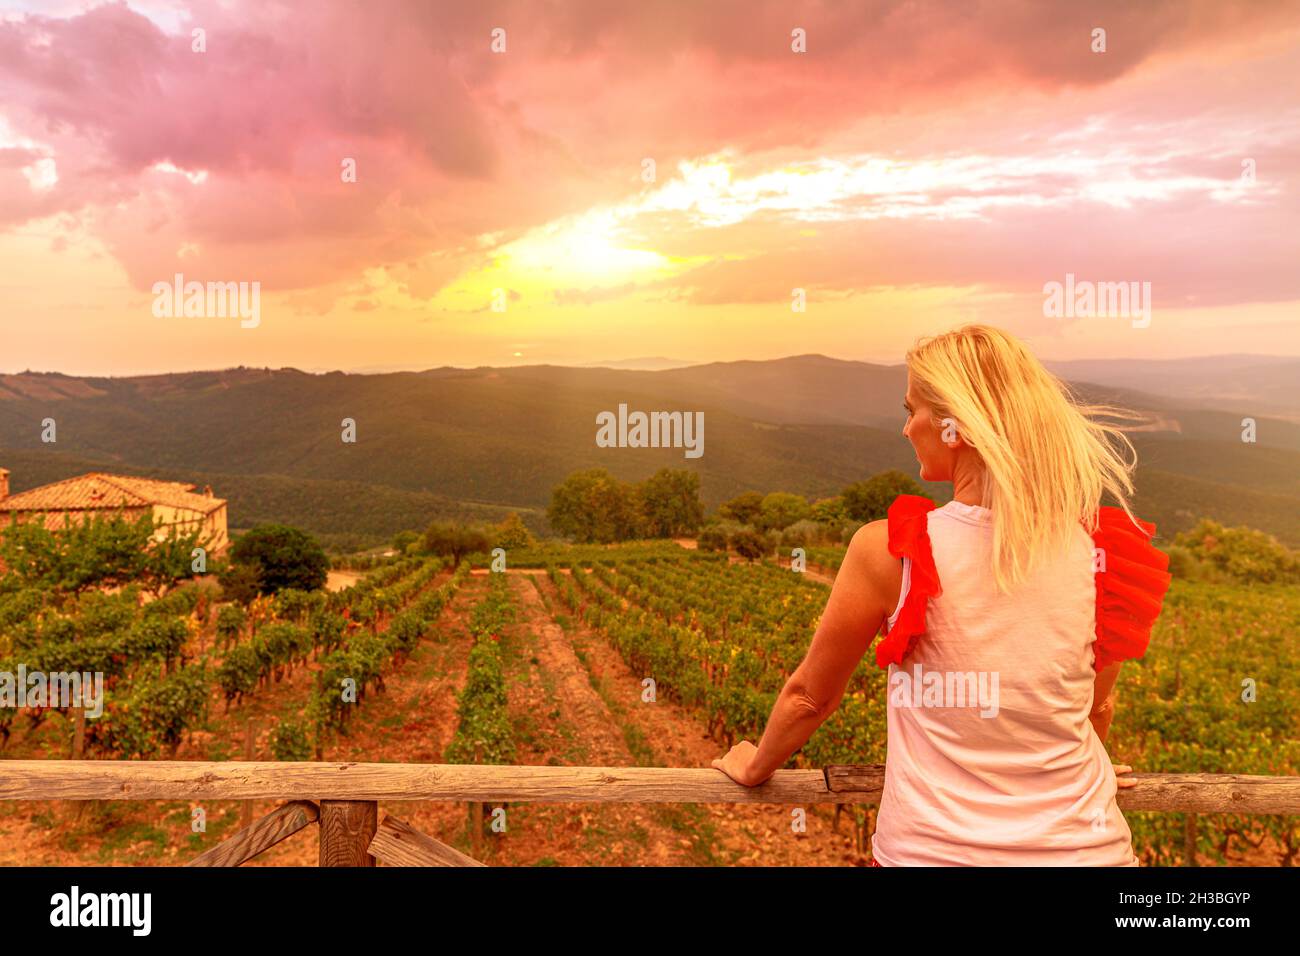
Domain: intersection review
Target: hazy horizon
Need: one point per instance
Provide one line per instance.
(609, 364)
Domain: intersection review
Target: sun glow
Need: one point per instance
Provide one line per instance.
(586, 248)
(615, 251)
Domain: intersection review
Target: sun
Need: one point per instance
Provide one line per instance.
(583, 249)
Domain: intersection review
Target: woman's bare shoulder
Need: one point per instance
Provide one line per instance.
(868, 555)
(871, 537)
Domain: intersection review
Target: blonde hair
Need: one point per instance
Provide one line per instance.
(1047, 460)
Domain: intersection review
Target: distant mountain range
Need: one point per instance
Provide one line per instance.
(1251, 384)
(476, 443)
(651, 363)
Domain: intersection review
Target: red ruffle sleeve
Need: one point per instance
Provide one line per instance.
(909, 537)
(1131, 589)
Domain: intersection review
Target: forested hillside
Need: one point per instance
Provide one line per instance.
(472, 444)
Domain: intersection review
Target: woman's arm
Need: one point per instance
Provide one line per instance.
(862, 598)
(1103, 709)
(1103, 699)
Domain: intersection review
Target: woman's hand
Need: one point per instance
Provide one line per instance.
(1123, 782)
(736, 763)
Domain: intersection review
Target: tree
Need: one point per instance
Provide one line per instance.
(781, 509)
(670, 503)
(801, 534)
(403, 540)
(750, 545)
(512, 533)
(456, 541)
(828, 511)
(712, 538)
(594, 506)
(744, 508)
(240, 583)
(103, 551)
(870, 500)
(167, 561)
(283, 557)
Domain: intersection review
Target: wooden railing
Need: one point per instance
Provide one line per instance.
(343, 798)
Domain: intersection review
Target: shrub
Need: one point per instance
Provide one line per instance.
(1182, 563)
(712, 538)
(239, 583)
(291, 741)
(512, 534)
(1243, 554)
(801, 534)
(403, 540)
(294, 605)
(749, 544)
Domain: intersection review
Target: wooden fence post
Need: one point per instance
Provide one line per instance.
(346, 829)
(79, 753)
(250, 745)
(476, 819)
(79, 733)
(476, 827)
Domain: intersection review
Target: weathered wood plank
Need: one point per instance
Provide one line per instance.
(242, 780)
(346, 829)
(397, 843)
(273, 780)
(250, 751)
(855, 778)
(278, 825)
(1176, 792)
(1212, 793)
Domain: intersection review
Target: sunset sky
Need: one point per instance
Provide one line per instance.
(921, 165)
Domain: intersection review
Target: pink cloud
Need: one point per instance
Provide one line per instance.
(452, 142)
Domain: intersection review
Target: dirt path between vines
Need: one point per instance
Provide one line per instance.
(413, 721)
(665, 734)
(559, 720)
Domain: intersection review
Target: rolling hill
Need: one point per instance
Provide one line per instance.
(475, 443)
(1251, 384)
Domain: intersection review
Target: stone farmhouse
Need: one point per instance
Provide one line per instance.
(173, 504)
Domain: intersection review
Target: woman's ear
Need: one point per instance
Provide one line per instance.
(950, 433)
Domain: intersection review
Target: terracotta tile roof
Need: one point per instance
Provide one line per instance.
(103, 491)
(58, 520)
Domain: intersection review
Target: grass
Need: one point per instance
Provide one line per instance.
(134, 841)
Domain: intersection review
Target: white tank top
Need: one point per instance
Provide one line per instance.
(992, 760)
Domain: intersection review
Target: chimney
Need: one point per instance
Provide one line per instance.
(4, 483)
